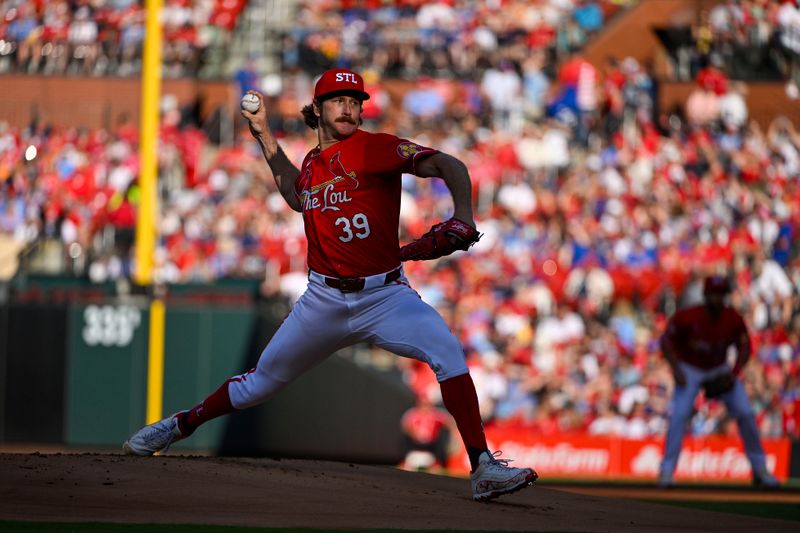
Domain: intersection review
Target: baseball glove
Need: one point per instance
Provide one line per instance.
(716, 387)
(442, 239)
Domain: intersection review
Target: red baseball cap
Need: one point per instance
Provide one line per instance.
(716, 284)
(340, 81)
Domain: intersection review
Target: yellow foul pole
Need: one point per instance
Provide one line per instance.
(146, 222)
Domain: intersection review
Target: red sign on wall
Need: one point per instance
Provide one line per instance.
(585, 456)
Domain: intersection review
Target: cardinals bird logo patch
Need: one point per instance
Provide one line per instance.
(408, 149)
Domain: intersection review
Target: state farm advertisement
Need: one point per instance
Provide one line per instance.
(585, 456)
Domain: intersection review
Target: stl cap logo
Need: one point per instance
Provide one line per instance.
(346, 76)
(406, 150)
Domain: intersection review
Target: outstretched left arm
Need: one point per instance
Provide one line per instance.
(456, 177)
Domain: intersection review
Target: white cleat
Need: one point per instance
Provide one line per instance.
(493, 477)
(155, 438)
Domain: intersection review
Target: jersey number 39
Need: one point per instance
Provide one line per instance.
(360, 223)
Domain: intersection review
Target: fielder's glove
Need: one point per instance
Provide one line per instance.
(716, 387)
(442, 239)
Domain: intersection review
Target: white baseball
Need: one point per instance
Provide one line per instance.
(250, 102)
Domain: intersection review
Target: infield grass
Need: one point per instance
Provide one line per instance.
(778, 511)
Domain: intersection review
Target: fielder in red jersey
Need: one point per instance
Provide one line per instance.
(701, 338)
(696, 345)
(348, 190)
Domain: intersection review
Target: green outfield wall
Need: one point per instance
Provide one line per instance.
(107, 366)
(74, 372)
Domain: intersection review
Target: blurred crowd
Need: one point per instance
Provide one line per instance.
(447, 38)
(106, 37)
(599, 224)
(748, 37)
(601, 214)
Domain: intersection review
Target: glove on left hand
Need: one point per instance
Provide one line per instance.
(716, 387)
(442, 239)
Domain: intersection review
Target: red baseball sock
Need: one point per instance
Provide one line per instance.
(217, 404)
(461, 400)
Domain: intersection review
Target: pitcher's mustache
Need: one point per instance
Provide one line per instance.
(346, 119)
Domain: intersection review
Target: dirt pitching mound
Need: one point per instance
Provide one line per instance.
(312, 494)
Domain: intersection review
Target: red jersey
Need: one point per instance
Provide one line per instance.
(702, 340)
(424, 425)
(350, 196)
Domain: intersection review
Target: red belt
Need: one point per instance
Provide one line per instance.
(357, 284)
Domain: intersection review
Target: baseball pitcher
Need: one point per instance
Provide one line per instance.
(348, 191)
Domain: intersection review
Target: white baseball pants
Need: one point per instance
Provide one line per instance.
(682, 406)
(324, 320)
